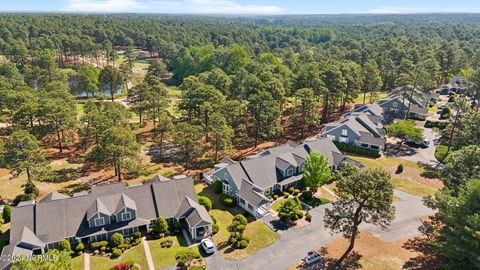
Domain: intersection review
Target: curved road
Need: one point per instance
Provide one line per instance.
(294, 244)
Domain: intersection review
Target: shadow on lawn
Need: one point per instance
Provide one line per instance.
(427, 258)
(399, 150)
(351, 262)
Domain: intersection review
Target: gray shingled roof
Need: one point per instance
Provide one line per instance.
(252, 194)
(29, 238)
(373, 108)
(370, 139)
(54, 196)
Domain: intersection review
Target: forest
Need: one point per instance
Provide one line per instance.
(123, 97)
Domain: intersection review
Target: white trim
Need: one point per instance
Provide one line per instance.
(126, 214)
(97, 224)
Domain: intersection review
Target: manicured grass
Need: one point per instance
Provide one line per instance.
(224, 218)
(380, 95)
(413, 188)
(260, 237)
(136, 254)
(77, 263)
(406, 181)
(440, 152)
(163, 257)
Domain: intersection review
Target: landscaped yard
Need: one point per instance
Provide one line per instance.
(409, 181)
(135, 254)
(259, 234)
(77, 263)
(260, 237)
(163, 257)
(276, 204)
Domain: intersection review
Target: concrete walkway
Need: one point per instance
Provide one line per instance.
(148, 254)
(86, 261)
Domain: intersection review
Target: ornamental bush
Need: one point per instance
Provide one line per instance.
(65, 245)
(80, 247)
(215, 228)
(184, 257)
(227, 200)
(217, 187)
(242, 244)
(116, 253)
(205, 202)
(117, 240)
(161, 225)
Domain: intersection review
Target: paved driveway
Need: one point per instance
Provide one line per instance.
(294, 244)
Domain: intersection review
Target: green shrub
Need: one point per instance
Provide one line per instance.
(116, 240)
(23, 197)
(65, 245)
(217, 187)
(291, 190)
(195, 267)
(399, 169)
(161, 225)
(227, 200)
(246, 239)
(445, 113)
(357, 150)
(308, 217)
(436, 124)
(184, 257)
(307, 195)
(7, 211)
(296, 191)
(137, 235)
(242, 244)
(275, 197)
(286, 194)
(167, 243)
(215, 228)
(205, 202)
(116, 253)
(103, 249)
(214, 219)
(299, 214)
(80, 247)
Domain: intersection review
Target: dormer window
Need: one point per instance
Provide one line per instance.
(395, 104)
(290, 172)
(344, 132)
(100, 221)
(126, 216)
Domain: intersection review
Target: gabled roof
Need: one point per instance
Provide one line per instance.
(29, 238)
(252, 194)
(371, 108)
(54, 196)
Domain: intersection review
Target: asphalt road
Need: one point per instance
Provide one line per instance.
(294, 244)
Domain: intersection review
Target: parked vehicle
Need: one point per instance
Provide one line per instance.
(312, 257)
(426, 142)
(208, 246)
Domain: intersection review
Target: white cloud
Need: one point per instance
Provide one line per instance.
(213, 7)
(104, 5)
(172, 6)
(397, 10)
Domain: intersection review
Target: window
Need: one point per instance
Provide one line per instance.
(395, 104)
(290, 172)
(374, 147)
(331, 137)
(126, 216)
(226, 188)
(364, 145)
(250, 207)
(343, 140)
(100, 221)
(302, 167)
(242, 201)
(344, 132)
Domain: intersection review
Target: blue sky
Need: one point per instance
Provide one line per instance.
(244, 6)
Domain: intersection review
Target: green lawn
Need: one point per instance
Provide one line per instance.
(406, 181)
(224, 218)
(136, 254)
(77, 263)
(413, 188)
(380, 95)
(276, 204)
(260, 237)
(440, 152)
(163, 257)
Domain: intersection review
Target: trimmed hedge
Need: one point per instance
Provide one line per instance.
(227, 200)
(357, 150)
(436, 124)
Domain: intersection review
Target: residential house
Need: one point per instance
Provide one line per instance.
(458, 84)
(361, 129)
(397, 107)
(94, 216)
(276, 169)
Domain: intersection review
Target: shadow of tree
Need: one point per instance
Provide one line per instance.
(428, 256)
(429, 171)
(398, 150)
(351, 262)
(67, 174)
